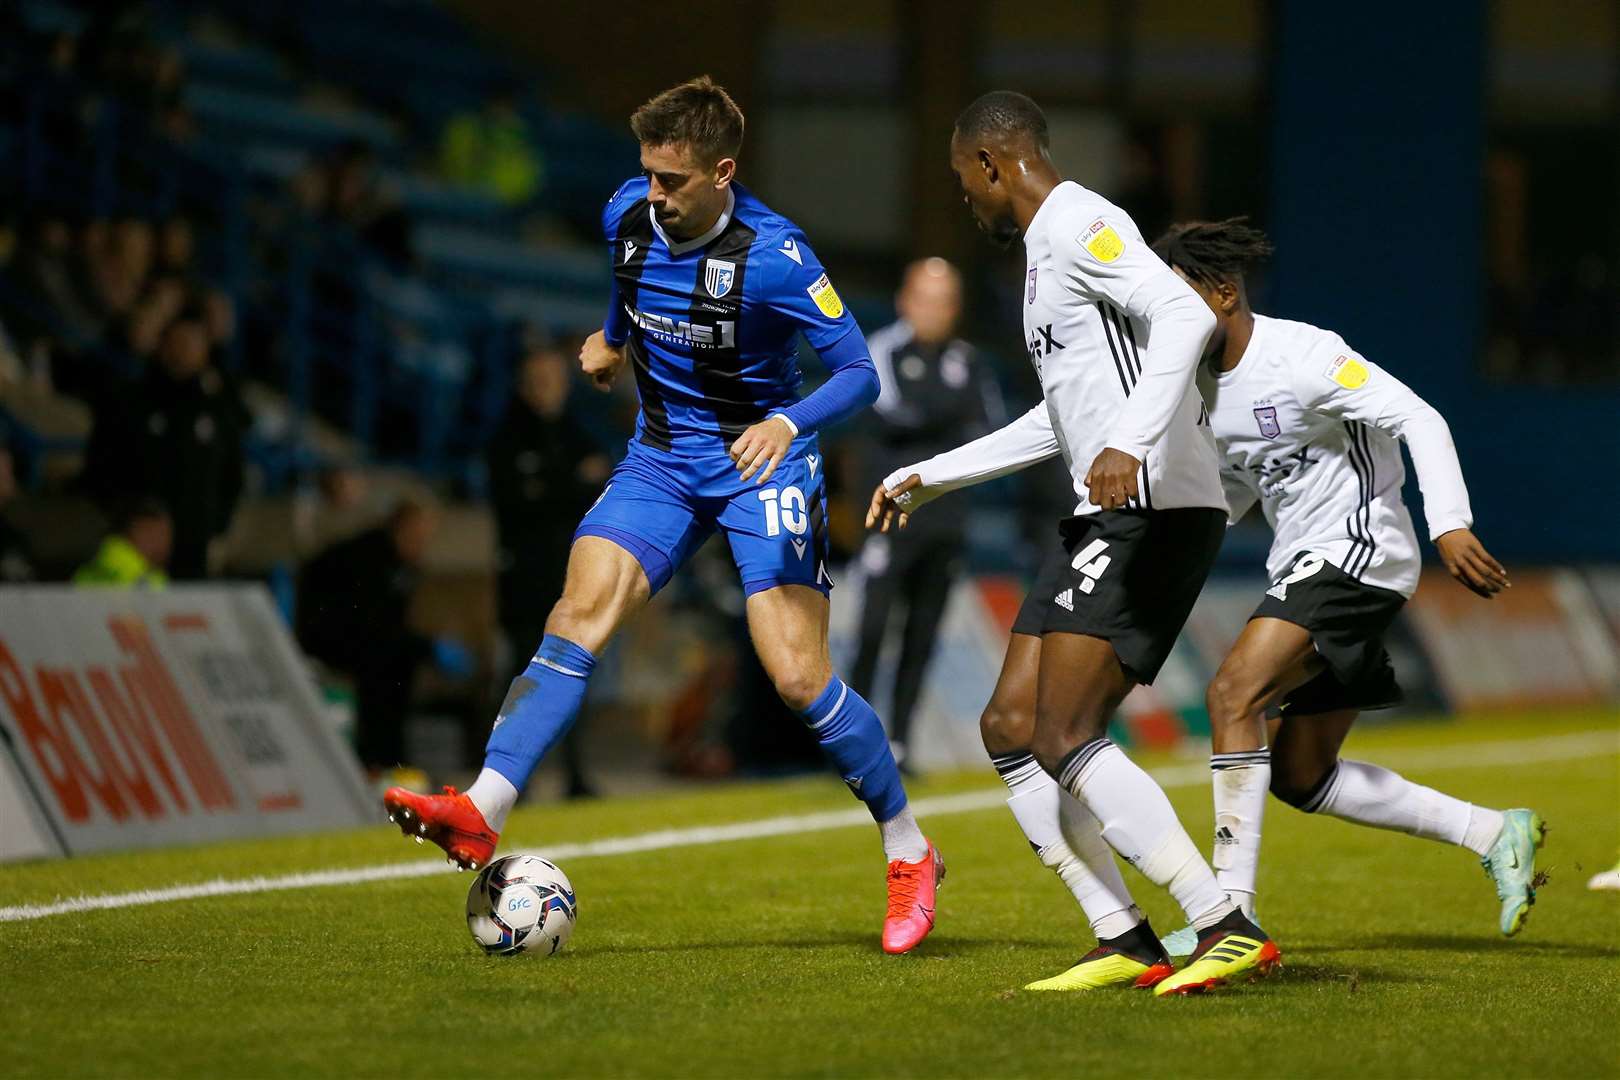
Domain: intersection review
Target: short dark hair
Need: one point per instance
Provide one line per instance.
(699, 114)
(1004, 113)
(1211, 252)
(135, 508)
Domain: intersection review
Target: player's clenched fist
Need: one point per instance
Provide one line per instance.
(1471, 564)
(762, 447)
(886, 503)
(1112, 478)
(601, 361)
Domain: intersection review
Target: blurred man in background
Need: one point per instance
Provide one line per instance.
(135, 554)
(544, 472)
(175, 432)
(934, 390)
(353, 603)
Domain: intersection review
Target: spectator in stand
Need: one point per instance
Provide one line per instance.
(544, 471)
(492, 149)
(54, 302)
(16, 555)
(353, 602)
(135, 553)
(344, 189)
(176, 432)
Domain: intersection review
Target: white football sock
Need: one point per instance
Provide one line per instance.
(1241, 782)
(1372, 795)
(1484, 826)
(494, 796)
(902, 839)
(1068, 840)
(1139, 823)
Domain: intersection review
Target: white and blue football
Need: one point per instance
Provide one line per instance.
(521, 903)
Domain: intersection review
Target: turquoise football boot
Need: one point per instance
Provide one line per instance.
(1179, 944)
(1182, 943)
(1511, 863)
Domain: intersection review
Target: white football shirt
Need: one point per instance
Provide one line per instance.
(1115, 336)
(1308, 427)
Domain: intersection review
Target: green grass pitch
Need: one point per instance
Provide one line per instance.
(760, 957)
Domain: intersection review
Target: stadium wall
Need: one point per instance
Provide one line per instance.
(143, 719)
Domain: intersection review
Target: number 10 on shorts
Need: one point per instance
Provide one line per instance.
(785, 509)
(1090, 562)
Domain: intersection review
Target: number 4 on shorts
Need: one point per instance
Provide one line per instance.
(1090, 562)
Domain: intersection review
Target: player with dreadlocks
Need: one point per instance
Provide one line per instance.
(1308, 427)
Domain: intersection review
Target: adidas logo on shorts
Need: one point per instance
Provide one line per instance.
(1065, 599)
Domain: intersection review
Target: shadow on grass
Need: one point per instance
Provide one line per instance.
(1468, 943)
(942, 949)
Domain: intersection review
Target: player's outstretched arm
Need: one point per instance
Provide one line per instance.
(1350, 387)
(1015, 446)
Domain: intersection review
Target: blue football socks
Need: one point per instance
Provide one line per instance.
(539, 709)
(853, 736)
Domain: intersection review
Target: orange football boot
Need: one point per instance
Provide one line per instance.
(911, 901)
(449, 820)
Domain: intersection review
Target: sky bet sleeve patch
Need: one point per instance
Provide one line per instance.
(1102, 241)
(826, 297)
(1348, 372)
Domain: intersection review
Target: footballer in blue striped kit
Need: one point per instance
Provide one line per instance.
(710, 292)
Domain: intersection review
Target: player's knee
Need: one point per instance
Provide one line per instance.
(1053, 741)
(1005, 727)
(1298, 785)
(1230, 699)
(800, 684)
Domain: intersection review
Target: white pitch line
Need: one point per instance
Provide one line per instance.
(1461, 756)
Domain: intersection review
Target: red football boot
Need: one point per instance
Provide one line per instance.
(911, 901)
(449, 820)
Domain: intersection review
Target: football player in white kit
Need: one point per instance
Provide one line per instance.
(1308, 428)
(1115, 337)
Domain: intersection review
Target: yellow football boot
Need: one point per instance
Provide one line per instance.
(1234, 946)
(1133, 959)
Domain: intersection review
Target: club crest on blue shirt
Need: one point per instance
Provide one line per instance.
(1266, 417)
(718, 274)
(1031, 285)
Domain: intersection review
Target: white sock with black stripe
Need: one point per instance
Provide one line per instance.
(1241, 781)
(1139, 823)
(1373, 795)
(1068, 840)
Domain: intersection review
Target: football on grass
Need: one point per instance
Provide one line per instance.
(521, 904)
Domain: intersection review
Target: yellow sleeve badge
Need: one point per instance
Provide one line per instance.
(1102, 241)
(1348, 372)
(826, 297)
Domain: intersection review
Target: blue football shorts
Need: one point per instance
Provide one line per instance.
(661, 506)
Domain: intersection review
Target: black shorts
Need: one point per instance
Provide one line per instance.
(1347, 620)
(1127, 576)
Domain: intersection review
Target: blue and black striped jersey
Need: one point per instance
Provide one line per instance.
(711, 324)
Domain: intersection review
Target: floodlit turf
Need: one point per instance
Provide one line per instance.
(760, 957)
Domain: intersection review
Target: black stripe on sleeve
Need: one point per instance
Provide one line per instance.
(1114, 349)
(1361, 542)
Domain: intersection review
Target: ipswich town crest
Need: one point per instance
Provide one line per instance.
(718, 274)
(1266, 417)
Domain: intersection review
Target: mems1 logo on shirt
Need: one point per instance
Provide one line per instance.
(1102, 241)
(826, 297)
